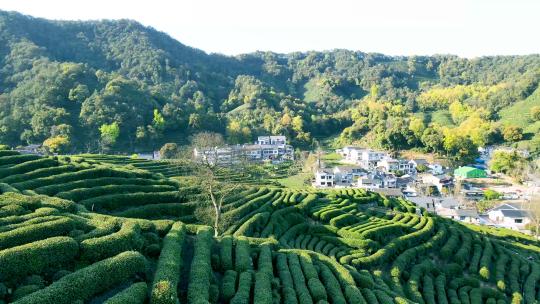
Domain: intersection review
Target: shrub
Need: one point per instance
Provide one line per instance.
(485, 260)
(38, 173)
(332, 285)
(242, 256)
(440, 287)
(7, 188)
(263, 288)
(27, 166)
(244, 288)
(228, 288)
(475, 259)
(317, 290)
(17, 158)
(369, 296)
(164, 286)
(530, 284)
(225, 251)
(86, 193)
(100, 181)
(127, 238)
(120, 200)
(343, 220)
(86, 282)
(199, 276)
(3, 290)
(353, 295)
(24, 291)
(134, 294)
(286, 278)
(80, 175)
(27, 234)
(428, 290)
(462, 255)
(264, 264)
(500, 270)
(298, 278)
(451, 244)
(307, 266)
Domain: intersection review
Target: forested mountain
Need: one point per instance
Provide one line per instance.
(119, 85)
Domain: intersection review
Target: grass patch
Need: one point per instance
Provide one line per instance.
(519, 114)
(295, 181)
(443, 118)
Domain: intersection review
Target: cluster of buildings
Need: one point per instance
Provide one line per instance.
(428, 185)
(266, 148)
(371, 169)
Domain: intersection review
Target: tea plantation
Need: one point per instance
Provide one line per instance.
(107, 229)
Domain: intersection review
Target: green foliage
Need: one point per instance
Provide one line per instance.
(109, 133)
(512, 133)
(507, 162)
(136, 294)
(171, 90)
(169, 151)
(127, 238)
(287, 246)
(199, 277)
(490, 195)
(83, 284)
(37, 256)
(164, 287)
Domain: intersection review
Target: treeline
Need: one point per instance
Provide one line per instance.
(88, 86)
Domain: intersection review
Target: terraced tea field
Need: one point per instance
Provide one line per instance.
(99, 229)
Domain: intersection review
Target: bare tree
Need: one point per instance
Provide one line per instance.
(206, 168)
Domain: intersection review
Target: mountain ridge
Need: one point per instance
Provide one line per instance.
(196, 91)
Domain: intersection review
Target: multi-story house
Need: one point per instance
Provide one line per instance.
(272, 140)
(347, 174)
(324, 178)
(365, 157)
(392, 165)
(272, 148)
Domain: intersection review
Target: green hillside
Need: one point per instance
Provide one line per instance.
(519, 113)
(101, 229)
(63, 82)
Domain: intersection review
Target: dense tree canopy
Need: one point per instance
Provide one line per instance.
(78, 76)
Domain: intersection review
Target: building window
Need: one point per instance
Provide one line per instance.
(518, 221)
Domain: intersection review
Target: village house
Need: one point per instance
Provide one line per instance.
(436, 169)
(377, 180)
(469, 172)
(347, 174)
(439, 181)
(348, 154)
(324, 178)
(510, 215)
(468, 215)
(418, 162)
(369, 158)
(30, 149)
(267, 148)
(369, 183)
(366, 158)
(392, 165)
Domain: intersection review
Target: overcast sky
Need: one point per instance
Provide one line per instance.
(395, 27)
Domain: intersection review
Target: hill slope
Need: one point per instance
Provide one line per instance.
(63, 80)
(144, 243)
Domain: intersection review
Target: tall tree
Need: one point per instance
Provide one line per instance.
(206, 173)
(109, 134)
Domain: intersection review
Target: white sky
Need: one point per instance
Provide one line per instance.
(467, 28)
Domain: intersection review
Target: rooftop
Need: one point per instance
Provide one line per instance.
(515, 213)
(389, 191)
